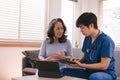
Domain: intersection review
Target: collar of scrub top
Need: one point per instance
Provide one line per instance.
(92, 51)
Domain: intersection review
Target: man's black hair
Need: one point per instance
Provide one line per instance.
(86, 19)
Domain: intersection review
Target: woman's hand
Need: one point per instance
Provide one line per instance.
(49, 59)
(60, 55)
(46, 59)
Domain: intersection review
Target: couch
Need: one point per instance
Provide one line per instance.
(31, 56)
(29, 66)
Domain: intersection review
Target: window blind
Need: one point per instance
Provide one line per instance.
(9, 15)
(32, 19)
(22, 20)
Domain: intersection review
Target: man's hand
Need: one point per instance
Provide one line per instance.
(77, 63)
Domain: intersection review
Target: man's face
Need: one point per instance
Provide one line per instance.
(85, 30)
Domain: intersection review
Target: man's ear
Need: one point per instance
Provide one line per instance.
(91, 25)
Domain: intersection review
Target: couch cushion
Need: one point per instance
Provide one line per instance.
(31, 54)
(117, 65)
(32, 57)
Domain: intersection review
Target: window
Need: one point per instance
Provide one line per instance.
(22, 20)
(68, 16)
(111, 19)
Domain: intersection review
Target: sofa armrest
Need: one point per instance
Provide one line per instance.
(25, 63)
(27, 67)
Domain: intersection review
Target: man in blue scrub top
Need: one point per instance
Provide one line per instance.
(98, 62)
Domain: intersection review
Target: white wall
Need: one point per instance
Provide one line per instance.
(54, 9)
(11, 62)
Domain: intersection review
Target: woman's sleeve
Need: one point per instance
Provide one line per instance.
(69, 49)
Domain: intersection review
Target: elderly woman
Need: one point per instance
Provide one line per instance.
(56, 47)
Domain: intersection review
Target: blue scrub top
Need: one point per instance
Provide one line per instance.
(102, 47)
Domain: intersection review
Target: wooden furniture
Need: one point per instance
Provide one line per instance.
(35, 77)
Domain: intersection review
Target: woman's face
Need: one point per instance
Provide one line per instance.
(58, 30)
